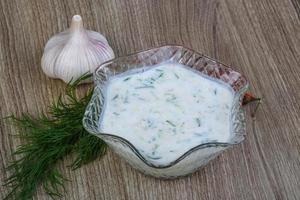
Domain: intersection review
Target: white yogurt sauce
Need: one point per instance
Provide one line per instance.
(167, 109)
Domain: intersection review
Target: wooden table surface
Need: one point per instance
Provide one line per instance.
(260, 38)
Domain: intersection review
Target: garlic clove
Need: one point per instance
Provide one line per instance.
(72, 53)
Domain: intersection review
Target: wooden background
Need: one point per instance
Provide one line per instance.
(260, 38)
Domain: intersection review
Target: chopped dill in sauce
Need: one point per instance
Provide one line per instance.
(167, 109)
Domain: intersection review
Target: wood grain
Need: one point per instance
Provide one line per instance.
(259, 38)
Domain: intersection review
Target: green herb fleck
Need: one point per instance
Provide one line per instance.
(126, 79)
(160, 75)
(215, 91)
(198, 122)
(125, 99)
(176, 75)
(115, 97)
(171, 97)
(169, 122)
(198, 134)
(149, 123)
(145, 86)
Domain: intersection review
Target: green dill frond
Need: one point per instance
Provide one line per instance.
(48, 139)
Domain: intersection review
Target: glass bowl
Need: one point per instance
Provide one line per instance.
(195, 157)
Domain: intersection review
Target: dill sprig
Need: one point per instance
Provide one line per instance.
(48, 138)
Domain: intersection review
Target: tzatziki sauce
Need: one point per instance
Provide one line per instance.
(166, 109)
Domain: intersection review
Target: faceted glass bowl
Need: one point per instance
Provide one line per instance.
(195, 157)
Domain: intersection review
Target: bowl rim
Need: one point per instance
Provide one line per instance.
(124, 141)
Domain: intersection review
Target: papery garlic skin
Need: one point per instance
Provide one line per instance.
(74, 52)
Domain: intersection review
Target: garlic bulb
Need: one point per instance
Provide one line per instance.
(74, 52)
